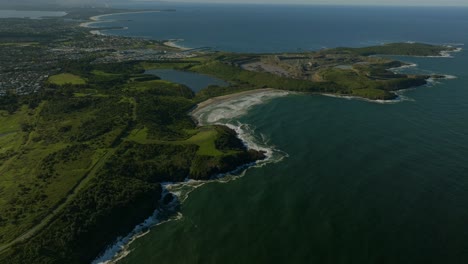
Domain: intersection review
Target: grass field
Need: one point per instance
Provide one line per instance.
(203, 137)
(10, 132)
(84, 162)
(66, 78)
(42, 158)
(205, 140)
(150, 85)
(102, 73)
(25, 195)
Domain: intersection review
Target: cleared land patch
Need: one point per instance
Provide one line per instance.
(66, 78)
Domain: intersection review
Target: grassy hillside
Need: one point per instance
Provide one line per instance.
(405, 49)
(89, 154)
(66, 78)
(343, 71)
(335, 81)
(82, 160)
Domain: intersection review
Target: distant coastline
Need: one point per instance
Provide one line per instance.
(98, 19)
(173, 44)
(337, 72)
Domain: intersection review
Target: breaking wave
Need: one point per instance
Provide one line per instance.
(223, 111)
(120, 249)
(220, 112)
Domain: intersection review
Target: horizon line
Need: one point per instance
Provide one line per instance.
(306, 4)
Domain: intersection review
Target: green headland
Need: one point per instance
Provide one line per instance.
(83, 157)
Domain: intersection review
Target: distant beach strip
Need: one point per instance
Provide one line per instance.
(98, 19)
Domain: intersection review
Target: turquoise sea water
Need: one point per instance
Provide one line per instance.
(359, 182)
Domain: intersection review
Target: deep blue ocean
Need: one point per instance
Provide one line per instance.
(270, 28)
(351, 181)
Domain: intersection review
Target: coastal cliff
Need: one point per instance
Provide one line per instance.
(88, 151)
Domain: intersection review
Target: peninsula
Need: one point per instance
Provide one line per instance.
(87, 138)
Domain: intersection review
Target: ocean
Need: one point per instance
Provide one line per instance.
(348, 181)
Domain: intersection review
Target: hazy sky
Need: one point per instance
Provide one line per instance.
(326, 2)
(340, 2)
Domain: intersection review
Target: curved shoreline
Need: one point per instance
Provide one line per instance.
(120, 248)
(173, 44)
(97, 19)
(228, 97)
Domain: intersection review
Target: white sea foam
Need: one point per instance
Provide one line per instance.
(423, 72)
(216, 113)
(412, 65)
(399, 99)
(404, 67)
(433, 81)
(252, 140)
(447, 53)
(225, 110)
(119, 249)
(449, 77)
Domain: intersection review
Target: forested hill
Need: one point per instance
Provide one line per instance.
(87, 138)
(99, 149)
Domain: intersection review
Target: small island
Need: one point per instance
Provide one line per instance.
(88, 138)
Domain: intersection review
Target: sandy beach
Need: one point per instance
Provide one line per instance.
(224, 98)
(95, 19)
(173, 44)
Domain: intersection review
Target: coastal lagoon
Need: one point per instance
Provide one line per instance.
(194, 81)
(350, 181)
